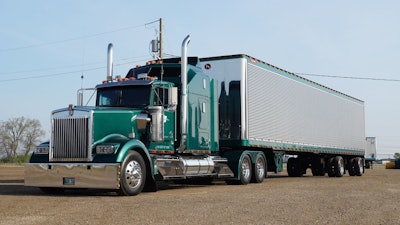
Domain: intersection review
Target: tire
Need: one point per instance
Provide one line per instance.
(291, 167)
(317, 168)
(351, 167)
(133, 174)
(359, 166)
(246, 171)
(330, 167)
(294, 167)
(259, 169)
(338, 166)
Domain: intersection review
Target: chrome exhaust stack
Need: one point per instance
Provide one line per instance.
(110, 63)
(184, 97)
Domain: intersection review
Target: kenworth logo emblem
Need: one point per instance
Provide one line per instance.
(71, 109)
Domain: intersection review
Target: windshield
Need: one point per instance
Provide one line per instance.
(125, 96)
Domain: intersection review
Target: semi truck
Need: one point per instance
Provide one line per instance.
(231, 118)
(370, 152)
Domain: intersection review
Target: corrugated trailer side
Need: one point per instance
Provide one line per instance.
(281, 110)
(290, 112)
(265, 107)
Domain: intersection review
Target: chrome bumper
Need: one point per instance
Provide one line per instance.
(74, 175)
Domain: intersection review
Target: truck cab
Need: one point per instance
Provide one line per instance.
(131, 137)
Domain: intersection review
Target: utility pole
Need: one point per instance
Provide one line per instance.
(157, 44)
(161, 39)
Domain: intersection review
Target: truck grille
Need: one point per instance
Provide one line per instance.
(71, 139)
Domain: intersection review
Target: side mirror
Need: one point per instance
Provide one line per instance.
(80, 96)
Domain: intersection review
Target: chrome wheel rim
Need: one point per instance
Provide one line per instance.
(133, 174)
(246, 169)
(260, 168)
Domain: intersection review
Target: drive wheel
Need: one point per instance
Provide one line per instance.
(259, 169)
(245, 173)
(359, 166)
(338, 165)
(133, 174)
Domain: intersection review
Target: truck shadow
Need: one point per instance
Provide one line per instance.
(17, 188)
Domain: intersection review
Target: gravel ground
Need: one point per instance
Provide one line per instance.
(373, 198)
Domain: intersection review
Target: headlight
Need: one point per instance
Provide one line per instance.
(105, 149)
(42, 150)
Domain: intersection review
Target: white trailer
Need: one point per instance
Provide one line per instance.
(370, 152)
(265, 106)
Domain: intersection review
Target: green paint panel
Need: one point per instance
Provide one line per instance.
(200, 110)
(114, 121)
(169, 135)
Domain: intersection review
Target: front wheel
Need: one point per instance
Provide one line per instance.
(133, 174)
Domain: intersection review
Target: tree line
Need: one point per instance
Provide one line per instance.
(18, 137)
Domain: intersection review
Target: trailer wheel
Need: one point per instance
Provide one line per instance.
(359, 166)
(245, 174)
(259, 169)
(133, 174)
(317, 168)
(294, 167)
(351, 167)
(338, 165)
(330, 167)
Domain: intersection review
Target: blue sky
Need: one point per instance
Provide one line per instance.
(45, 47)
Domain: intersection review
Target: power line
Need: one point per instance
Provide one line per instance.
(71, 39)
(49, 68)
(64, 73)
(155, 21)
(50, 75)
(349, 77)
(143, 57)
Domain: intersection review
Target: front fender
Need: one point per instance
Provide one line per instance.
(138, 146)
(111, 138)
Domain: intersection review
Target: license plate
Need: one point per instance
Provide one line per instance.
(68, 180)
